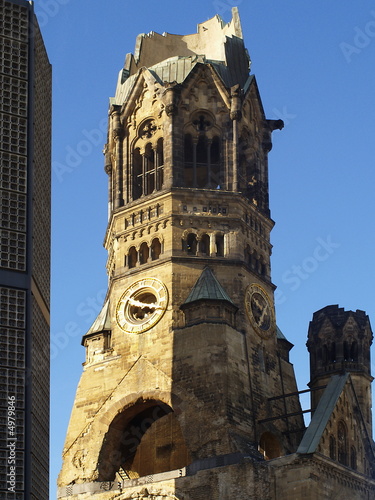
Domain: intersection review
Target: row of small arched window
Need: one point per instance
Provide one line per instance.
(338, 448)
(255, 262)
(202, 246)
(145, 253)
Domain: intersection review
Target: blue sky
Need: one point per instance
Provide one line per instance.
(314, 63)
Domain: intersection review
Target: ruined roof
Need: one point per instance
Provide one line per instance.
(338, 317)
(207, 287)
(172, 57)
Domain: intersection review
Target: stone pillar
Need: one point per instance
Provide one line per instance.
(169, 133)
(118, 135)
(235, 115)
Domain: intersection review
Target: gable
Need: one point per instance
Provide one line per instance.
(338, 429)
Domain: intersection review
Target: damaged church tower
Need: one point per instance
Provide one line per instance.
(187, 390)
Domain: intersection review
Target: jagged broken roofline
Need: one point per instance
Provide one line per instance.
(215, 39)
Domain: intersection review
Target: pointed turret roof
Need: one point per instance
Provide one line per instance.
(207, 287)
(102, 322)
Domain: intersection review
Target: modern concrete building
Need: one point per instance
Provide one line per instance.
(187, 391)
(25, 150)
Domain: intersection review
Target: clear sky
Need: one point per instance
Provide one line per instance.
(314, 63)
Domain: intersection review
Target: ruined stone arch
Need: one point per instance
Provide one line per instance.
(143, 437)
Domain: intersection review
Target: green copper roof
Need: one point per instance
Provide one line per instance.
(207, 288)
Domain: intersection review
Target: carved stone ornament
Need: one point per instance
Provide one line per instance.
(148, 129)
(171, 109)
(152, 494)
(118, 133)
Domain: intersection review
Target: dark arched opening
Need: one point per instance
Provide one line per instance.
(191, 244)
(155, 249)
(132, 257)
(142, 440)
(204, 245)
(137, 174)
(143, 253)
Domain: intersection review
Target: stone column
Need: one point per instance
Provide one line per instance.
(235, 115)
(118, 135)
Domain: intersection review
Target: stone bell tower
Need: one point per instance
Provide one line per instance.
(182, 392)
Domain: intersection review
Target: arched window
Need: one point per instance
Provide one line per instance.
(202, 156)
(155, 249)
(137, 174)
(202, 174)
(215, 180)
(346, 351)
(269, 446)
(191, 244)
(149, 170)
(333, 352)
(148, 160)
(354, 351)
(204, 245)
(353, 458)
(159, 164)
(219, 242)
(342, 444)
(143, 253)
(132, 257)
(332, 447)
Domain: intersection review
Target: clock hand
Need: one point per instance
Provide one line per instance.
(261, 319)
(152, 305)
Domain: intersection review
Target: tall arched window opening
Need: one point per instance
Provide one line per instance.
(202, 155)
(342, 444)
(132, 257)
(332, 447)
(204, 245)
(219, 242)
(149, 170)
(159, 165)
(143, 253)
(155, 249)
(191, 244)
(202, 163)
(137, 174)
(189, 154)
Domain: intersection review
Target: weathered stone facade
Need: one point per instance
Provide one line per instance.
(187, 390)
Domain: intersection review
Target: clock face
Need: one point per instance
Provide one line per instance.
(142, 305)
(259, 309)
